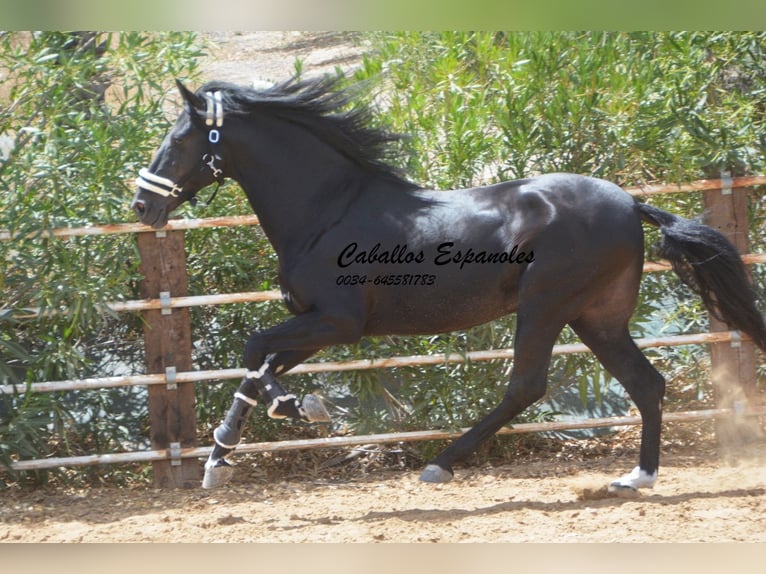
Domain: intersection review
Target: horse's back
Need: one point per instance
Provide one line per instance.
(585, 207)
(578, 192)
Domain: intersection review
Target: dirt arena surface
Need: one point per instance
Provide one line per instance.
(245, 57)
(699, 497)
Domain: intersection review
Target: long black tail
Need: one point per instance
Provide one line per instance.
(706, 261)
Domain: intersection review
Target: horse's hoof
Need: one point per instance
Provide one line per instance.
(623, 490)
(313, 410)
(217, 474)
(435, 473)
(628, 485)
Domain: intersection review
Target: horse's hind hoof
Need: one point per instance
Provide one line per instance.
(217, 474)
(313, 410)
(623, 490)
(435, 473)
(632, 481)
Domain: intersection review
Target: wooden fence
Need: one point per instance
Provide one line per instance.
(170, 380)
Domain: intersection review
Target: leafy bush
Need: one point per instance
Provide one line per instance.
(629, 107)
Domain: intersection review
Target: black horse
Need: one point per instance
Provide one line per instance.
(363, 251)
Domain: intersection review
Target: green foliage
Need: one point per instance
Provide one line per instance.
(630, 107)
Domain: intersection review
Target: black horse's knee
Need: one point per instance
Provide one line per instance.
(260, 377)
(267, 387)
(255, 353)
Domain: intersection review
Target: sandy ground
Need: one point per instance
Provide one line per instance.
(698, 498)
(271, 56)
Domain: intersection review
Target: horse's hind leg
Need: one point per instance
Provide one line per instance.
(616, 350)
(535, 335)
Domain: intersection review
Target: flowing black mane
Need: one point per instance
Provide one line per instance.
(323, 107)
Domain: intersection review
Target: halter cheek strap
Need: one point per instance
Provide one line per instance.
(167, 187)
(214, 112)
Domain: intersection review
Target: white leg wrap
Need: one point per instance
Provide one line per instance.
(222, 441)
(259, 373)
(248, 400)
(635, 479)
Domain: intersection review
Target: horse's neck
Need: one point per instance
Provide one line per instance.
(292, 203)
(301, 186)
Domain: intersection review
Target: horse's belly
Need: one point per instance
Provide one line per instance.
(436, 310)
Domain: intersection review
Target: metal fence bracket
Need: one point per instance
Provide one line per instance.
(170, 378)
(175, 453)
(726, 183)
(165, 303)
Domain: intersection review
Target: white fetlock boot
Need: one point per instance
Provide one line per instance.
(632, 481)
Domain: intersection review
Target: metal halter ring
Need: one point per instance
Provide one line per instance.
(209, 160)
(214, 136)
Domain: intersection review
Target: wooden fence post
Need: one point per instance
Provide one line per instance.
(167, 344)
(733, 365)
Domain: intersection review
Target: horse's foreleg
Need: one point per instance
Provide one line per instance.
(281, 404)
(227, 435)
(304, 335)
(269, 353)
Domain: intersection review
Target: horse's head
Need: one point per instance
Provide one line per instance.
(186, 162)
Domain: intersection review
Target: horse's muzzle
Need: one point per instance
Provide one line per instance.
(139, 207)
(148, 214)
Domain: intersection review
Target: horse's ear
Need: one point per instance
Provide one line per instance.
(193, 101)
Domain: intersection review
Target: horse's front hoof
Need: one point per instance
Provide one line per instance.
(435, 473)
(217, 474)
(313, 410)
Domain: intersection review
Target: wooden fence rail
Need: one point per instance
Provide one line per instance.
(237, 220)
(353, 365)
(384, 438)
(276, 295)
(170, 379)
